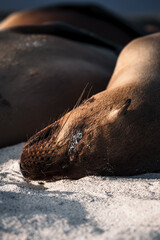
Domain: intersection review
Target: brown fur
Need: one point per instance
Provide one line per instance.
(86, 16)
(44, 67)
(116, 132)
(41, 76)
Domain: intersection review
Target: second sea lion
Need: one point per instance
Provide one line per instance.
(42, 75)
(90, 17)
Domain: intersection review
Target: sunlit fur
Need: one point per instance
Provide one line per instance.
(115, 132)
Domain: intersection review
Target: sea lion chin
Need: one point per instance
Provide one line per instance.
(114, 133)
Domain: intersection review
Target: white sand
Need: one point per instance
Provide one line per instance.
(90, 208)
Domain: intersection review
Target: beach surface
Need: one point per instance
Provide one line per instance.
(98, 208)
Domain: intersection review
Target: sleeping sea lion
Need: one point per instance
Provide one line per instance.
(90, 17)
(43, 74)
(115, 132)
(40, 65)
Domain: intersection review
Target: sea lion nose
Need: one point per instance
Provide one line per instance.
(24, 173)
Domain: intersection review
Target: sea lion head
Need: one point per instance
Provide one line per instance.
(75, 145)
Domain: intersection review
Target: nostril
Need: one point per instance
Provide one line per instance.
(24, 173)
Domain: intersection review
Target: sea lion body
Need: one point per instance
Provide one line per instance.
(115, 132)
(41, 76)
(45, 67)
(90, 17)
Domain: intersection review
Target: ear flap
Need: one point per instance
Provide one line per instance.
(120, 111)
(123, 109)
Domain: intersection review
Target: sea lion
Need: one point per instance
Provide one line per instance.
(115, 132)
(150, 24)
(38, 71)
(90, 17)
(43, 74)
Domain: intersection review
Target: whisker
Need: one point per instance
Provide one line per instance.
(51, 120)
(80, 98)
(76, 105)
(89, 92)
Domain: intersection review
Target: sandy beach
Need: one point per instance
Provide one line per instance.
(88, 208)
(91, 208)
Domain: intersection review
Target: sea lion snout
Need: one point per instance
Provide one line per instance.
(45, 157)
(39, 150)
(43, 135)
(60, 150)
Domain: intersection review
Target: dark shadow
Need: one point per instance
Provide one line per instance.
(147, 176)
(141, 176)
(52, 206)
(154, 235)
(33, 200)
